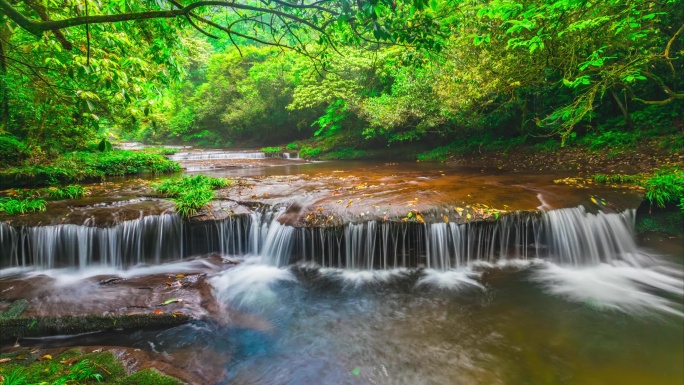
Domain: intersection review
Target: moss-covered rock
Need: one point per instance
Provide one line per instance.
(73, 366)
(15, 310)
(149, 377)
(13, 328)
(666, 222)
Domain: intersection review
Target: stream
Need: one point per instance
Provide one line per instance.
(321, 276)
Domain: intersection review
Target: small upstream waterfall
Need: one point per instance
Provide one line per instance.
(567, 237)
(216, 155)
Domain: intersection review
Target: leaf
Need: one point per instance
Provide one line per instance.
(409, 215)
(594, 200)
(172, 300)
(3, 360)
(157, 312)
(420, 218)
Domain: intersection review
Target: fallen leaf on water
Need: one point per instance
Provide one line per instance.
(468, 216)
(178, 313)
(157, 312)
(593, 200)
(180, 276)
(446, 219)
(168, 283)
(420, 218)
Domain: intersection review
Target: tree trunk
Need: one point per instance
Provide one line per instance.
(623, 108)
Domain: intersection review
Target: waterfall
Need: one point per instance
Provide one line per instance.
(216, 155)
(571, 237)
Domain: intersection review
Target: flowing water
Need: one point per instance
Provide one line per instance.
(565, 295)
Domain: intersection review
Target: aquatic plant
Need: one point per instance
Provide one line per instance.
(191, 194)
(72, 191)
(271, 150)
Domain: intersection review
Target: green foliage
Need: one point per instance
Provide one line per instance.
(292, 146)
(271, 150)
(73, 191)
(617, 178)
(441, 153)
(85, 165)
(548, 147)
(11, 150)
(16, 206)
(191, 194)
(611, 139)
(345, 153)
(668, 222)
(666, 186)
(104, 145)
(308, 152)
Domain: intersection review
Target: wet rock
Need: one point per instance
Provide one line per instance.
(11, 329)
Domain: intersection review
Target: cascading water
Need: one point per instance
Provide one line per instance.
(216, 155)
(567, 237)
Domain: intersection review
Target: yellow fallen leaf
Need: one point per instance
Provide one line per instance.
(420, 218)
(446, 219)
(593, 200)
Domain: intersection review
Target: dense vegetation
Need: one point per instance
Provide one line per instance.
(336, 79)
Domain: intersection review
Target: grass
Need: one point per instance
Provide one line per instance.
(161, 150)
(74, 367)
(16, 206)
(271, 150)
(292, 146)
(72, 191)
(79, 166)
(191, 194)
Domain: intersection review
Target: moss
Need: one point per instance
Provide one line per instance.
(72, 366)
(45, 326)
(149, 377)
(15, 309)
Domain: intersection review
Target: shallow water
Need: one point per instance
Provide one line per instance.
(526, 322)
(616, 320)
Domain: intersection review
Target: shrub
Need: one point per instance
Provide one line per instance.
(87, 165)
(666, 186)
(11, 149)
(271, 150)
(611, 139)
(345, 153)
(292, 146)
(308, 152)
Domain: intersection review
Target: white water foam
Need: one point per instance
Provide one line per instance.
(460, 279)
(618, 286)
(357, 278)
(250, 283)
(71, 276)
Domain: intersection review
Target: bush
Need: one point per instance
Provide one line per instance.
(191, 194)
(15, 206)
(308, 152)
(292, 146)
(87, 165)
(666, 186)
(346, 153)
(11, 150)
(271, 150)
(611, 139)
